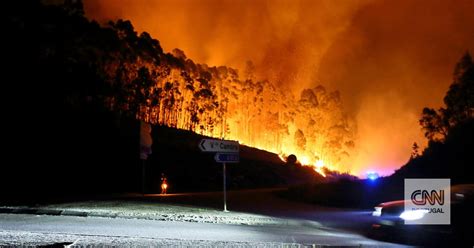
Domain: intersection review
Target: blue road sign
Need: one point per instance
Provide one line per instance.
(227, 157)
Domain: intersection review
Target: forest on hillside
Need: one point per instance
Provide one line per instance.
(114, 67)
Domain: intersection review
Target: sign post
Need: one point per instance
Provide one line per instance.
(225, 194)
(226, 152)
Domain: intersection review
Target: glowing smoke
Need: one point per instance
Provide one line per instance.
(388, 58)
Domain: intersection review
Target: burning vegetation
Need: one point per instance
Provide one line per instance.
(275, 102)
(388, 59)
(171, 89)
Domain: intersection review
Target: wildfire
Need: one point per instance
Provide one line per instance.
(282, 157)
(304, 160)
(334, 52)
(219, 101)
(256, 113)
(318, 165)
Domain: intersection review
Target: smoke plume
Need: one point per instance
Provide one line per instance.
(387, 58)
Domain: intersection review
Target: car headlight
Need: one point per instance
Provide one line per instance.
(377, 212)
(413, 214)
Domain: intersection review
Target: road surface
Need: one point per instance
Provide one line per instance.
(20, 229)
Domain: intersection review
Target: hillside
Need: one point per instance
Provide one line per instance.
(91, 151)
(176, 153)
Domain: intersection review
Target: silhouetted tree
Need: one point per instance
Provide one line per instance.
(414, 151)
(434, 124)
(460, 97)
(291, 159)
(459, 101)
(140, 91)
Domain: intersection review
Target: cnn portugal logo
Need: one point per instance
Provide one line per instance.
(421, 197)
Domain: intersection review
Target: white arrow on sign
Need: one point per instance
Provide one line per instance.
(212, 145)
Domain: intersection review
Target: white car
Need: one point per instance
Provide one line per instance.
(389, 220)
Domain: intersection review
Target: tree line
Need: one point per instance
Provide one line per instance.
(112, 66)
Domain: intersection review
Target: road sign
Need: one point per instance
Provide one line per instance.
(212, 145)
(227, 157)
(226, 152)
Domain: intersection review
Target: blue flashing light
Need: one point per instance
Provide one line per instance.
(372, 175)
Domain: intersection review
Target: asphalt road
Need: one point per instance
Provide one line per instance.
(18, 229)
(267, 202)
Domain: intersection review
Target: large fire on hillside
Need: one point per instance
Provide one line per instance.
(172, 90)
(218, 102)
(389, 59)
(255, 104)
(215, 101)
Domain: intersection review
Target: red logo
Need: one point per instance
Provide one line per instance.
(421, 197)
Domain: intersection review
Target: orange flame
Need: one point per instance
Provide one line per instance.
(318, 165)
(220, 102)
